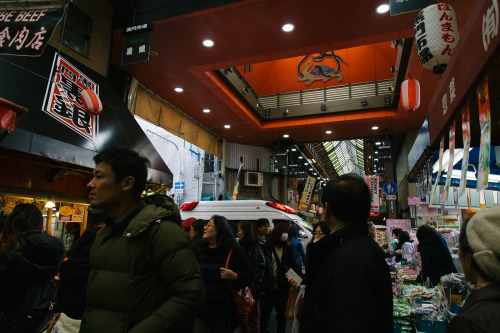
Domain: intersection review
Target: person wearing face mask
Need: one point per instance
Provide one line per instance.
(282, 258)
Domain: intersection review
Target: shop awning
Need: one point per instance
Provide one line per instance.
(24, 81)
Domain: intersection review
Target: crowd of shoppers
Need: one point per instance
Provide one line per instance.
(134, 269)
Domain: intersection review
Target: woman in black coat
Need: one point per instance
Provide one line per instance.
(435, 256)
(219, 247)
(283, 259)
(29, 262)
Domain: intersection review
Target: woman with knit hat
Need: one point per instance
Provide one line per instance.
(480, 256)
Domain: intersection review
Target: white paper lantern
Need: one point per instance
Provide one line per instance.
(436, 35)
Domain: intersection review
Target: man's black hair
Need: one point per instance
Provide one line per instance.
(125, 162)
(262, 222)
(349, 198)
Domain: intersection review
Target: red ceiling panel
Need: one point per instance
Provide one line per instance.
(249, 32)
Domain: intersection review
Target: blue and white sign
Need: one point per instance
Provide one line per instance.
(179, 185)
(390, 188)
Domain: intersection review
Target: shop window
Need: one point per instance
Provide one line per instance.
(76, 33)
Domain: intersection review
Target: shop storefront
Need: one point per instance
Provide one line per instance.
(49, 155)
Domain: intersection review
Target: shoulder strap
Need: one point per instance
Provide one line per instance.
(228, 256)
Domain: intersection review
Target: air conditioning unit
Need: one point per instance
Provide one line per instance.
(254, 178)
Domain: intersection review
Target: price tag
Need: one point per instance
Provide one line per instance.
(456, 299)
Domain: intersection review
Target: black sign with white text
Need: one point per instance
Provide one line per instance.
(136, 44)
(27, 32)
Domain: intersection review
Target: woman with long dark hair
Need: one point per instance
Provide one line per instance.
(405, 243)
(29, 261)
(218, 247)
(250, 242)
(282, 258)
(196, 232)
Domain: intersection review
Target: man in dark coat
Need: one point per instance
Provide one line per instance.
(144, 276)
(348, 285)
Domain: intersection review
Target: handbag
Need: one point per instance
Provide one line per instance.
(60, 323)
(290, 304)
(242, 297)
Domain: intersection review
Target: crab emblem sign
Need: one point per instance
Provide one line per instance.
(321, 71)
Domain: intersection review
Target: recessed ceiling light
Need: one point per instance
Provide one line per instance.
(315, 174)
(206, 110)
(328, 132)
(300, 157)
(227, 126)
(375, 128)
(376, 152)
(179, 89)
(208, 43)
(293, 149)
(311, 169)
(382, 9)
(369, 156)
(287, 27)
(378, 143)
(286, 135)
(305, 163)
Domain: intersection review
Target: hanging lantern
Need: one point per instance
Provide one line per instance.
(436, 35)
(91, 102)
(410, 94)
(297, 198)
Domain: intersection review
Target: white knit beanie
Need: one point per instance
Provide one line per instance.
(483, 234)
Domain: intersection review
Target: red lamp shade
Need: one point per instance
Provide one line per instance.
(91, 102)
(410, 94)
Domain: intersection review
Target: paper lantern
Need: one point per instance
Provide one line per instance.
(436, 35)
(410, 94)
(91, 102)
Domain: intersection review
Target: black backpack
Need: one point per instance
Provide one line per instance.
(268, 278)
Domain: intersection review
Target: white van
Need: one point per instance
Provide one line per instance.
(251, 210)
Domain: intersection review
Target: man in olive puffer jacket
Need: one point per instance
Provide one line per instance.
(144, 276)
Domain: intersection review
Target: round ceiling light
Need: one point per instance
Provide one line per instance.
(287, 27)
(328, 132)
(227, 126)
(375, 128)
(206, 110)
(383, 8)
(378, 143)
(179, 89)
(286, 135)
(208, 43)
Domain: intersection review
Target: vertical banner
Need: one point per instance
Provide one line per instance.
(237, 182)
(483, 102)
(451, 140)
(307, 194)
(373, 182)
(466, 139)
(440, 166)
(425, 186)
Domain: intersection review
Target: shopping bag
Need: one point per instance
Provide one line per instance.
(61, 323)
(244, 301)
(290, 304)
(242, 297)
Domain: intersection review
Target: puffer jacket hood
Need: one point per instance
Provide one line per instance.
(151, 209)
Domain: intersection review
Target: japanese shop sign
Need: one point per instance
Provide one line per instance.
(62, 98)
(136, 43)
(451, 142)
(307, 194)
(372, 182)
(27, 32)
(479, 41)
